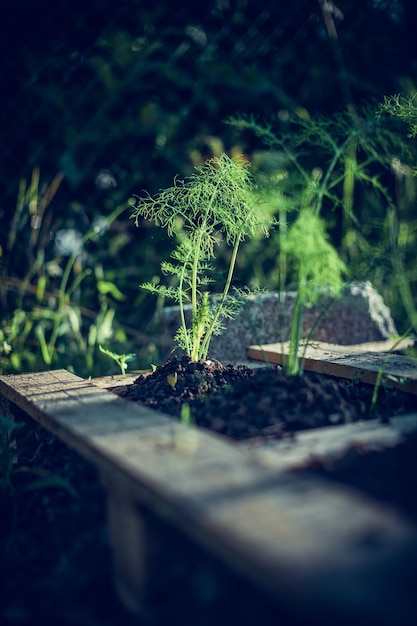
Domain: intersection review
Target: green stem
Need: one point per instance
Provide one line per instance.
(206, 342)
(282, 294)
(64, 291)
(195, 338)
(181, 305)
(295, 335)
(381, 371)
(349, 187)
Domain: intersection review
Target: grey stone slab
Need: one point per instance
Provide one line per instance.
(359, 315)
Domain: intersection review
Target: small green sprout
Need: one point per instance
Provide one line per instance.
(382, 377)
(121, 359)
(186, 414)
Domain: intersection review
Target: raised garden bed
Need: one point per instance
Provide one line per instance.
(294, 518)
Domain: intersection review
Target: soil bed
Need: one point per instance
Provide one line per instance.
(55, 562)
(241, 402)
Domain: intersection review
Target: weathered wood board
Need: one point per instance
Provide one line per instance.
(116, 380)
(327, 446)
(360, 362)
(313, 545)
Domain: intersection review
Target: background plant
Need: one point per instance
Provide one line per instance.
(402, 230)
(217, 202)
(340, 168)
(319, 269)
(18, 450)
(47, 276)
(158, 81)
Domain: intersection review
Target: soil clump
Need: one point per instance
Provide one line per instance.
(242, 402)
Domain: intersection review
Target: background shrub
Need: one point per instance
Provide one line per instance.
(104, 99)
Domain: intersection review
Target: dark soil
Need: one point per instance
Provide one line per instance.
(241, 402)
(55, 561)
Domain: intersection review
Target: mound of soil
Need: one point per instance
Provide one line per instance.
(242, 402)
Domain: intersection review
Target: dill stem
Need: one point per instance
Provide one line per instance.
(181, 305)
(295, 335)
(205, 344)
(282, 268)
(195, 338)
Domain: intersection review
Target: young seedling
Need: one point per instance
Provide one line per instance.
(216, 202)
(121, 359)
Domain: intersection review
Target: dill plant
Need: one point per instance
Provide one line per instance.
(403, 232)
(317, 266)
(217, 202)
(403, 107)
(329, 171)
(335, 165)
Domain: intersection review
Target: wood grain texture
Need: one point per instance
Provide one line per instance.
(116, 380)
(300, 537)
(360, 362)
(327, 446)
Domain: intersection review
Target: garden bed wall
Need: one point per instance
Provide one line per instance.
(319, 548)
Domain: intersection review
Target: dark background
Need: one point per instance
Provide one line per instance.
(139, 87)
(122, 96)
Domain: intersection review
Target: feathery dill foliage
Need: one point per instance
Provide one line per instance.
(318, 166)
(215, 202)
(316, 261)
(317, 265)
(403, 233)
(328, 159)
(403, 107)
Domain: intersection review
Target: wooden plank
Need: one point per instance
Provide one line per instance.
(117, 380)
(326, 446)
(352, 362)
(299, 537)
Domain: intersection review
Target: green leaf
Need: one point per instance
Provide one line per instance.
(107, 287)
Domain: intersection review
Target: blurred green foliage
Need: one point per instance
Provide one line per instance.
(356, 170)
(104, 99)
